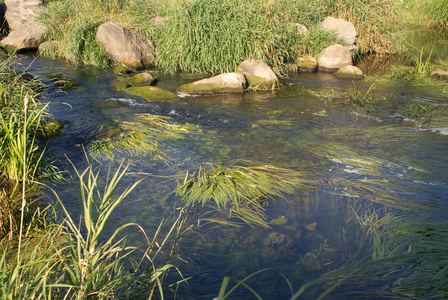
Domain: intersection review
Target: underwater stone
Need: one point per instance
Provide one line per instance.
(51, 128)
(107, 131)
(280, 220)
(63, 81)
(151, 93)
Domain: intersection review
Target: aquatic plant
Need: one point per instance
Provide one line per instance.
(240, 191)
(132, 143)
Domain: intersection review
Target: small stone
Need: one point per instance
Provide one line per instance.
(280, 220)
(311, 227)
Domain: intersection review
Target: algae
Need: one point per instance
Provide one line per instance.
(151, 93)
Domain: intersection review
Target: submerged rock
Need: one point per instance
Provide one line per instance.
(152, 93)
(107, 131)
(280, 220)
(258, 74)
(224, 83)
(344, 30)
(63, 81)
(334, 57)
(50, 128)
(125, 46)
(349, 72)
(28, 36)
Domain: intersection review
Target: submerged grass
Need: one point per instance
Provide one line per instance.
(240, 191)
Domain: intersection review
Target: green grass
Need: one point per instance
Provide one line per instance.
(77, 260)
(21, 156)
(215, 36)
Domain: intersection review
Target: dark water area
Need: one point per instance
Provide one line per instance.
(304, 125)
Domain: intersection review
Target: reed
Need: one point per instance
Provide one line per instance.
(79, 261)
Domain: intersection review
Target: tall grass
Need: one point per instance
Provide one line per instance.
(437, 12)
(377, 22)
(72, 26)
(21, 158)
(78, 261)
(215, 36)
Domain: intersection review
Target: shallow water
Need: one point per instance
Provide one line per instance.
(293, 127)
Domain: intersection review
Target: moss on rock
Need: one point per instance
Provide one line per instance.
(51, 128)
(151, 93)
(63, 81)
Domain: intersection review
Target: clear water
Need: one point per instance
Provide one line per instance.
(286, 128)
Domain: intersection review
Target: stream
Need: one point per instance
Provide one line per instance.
(304, 125)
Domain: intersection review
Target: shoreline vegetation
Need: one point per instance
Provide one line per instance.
(45, 254)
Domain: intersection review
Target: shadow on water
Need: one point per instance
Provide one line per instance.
(357, 164)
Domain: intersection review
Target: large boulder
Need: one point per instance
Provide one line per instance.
(27, 37)
(258, 74)
(334, 57)
(224, 83)
(349, 72)
(125, 46)
(344, 30)
(19, 12)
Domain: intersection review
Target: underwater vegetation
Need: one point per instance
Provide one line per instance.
(240, 191)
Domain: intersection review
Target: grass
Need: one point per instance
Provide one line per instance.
(240, 192)
(79, 261)
(215, 36)
(21, 155)
(376, 22)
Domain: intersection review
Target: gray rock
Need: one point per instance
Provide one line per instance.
(301, 29)
(224, 83)
(440, 74)
(334, 57)
(349, 72)
(258, 74)
(28, 36)
(307, 64)
(19, 12)
(344, 30)
(125, 46)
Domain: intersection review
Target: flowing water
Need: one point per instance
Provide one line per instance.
(305, 125)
